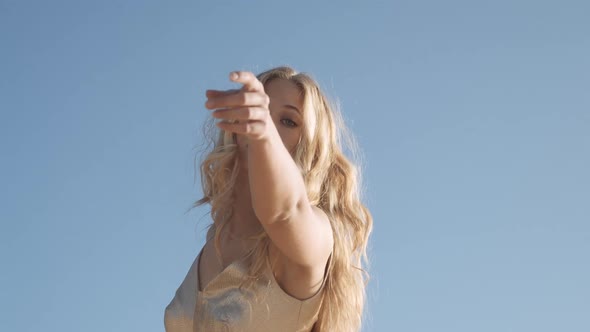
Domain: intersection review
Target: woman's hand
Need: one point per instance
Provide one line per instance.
(243, 111)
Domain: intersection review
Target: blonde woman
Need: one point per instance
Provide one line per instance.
(287, 244)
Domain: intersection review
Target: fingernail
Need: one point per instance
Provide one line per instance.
(234, 75)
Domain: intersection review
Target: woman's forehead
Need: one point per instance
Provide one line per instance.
(283, 91)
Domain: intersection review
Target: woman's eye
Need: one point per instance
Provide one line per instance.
(289, 123)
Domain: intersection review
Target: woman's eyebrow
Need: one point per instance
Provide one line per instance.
(292, 107)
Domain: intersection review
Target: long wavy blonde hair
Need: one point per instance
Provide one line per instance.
(332, 183)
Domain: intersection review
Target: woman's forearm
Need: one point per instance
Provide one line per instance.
(276, 184)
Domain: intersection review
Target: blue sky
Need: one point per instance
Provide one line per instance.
(473, 117)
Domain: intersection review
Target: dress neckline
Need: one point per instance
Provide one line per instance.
(268, 271)
(212, 281)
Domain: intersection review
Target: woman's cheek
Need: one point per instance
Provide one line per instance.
(293, 140)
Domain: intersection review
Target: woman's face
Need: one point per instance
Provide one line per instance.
(286, 107)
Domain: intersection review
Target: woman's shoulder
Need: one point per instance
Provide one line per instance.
(210, 233)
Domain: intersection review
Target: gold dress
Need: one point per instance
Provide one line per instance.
(223, 306)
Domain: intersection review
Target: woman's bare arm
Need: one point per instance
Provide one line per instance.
(301, 232)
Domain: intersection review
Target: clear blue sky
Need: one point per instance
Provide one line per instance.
(474, 119)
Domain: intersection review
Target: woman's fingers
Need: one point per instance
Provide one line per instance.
(241, 113)
(244, 111)
(251, 83)
(238, 99)
(220, 93)
(253, 129)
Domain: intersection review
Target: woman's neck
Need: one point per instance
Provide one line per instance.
(243, 222)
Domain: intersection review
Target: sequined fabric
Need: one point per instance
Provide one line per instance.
(224, 306)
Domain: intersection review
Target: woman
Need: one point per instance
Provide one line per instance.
(289, 232)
